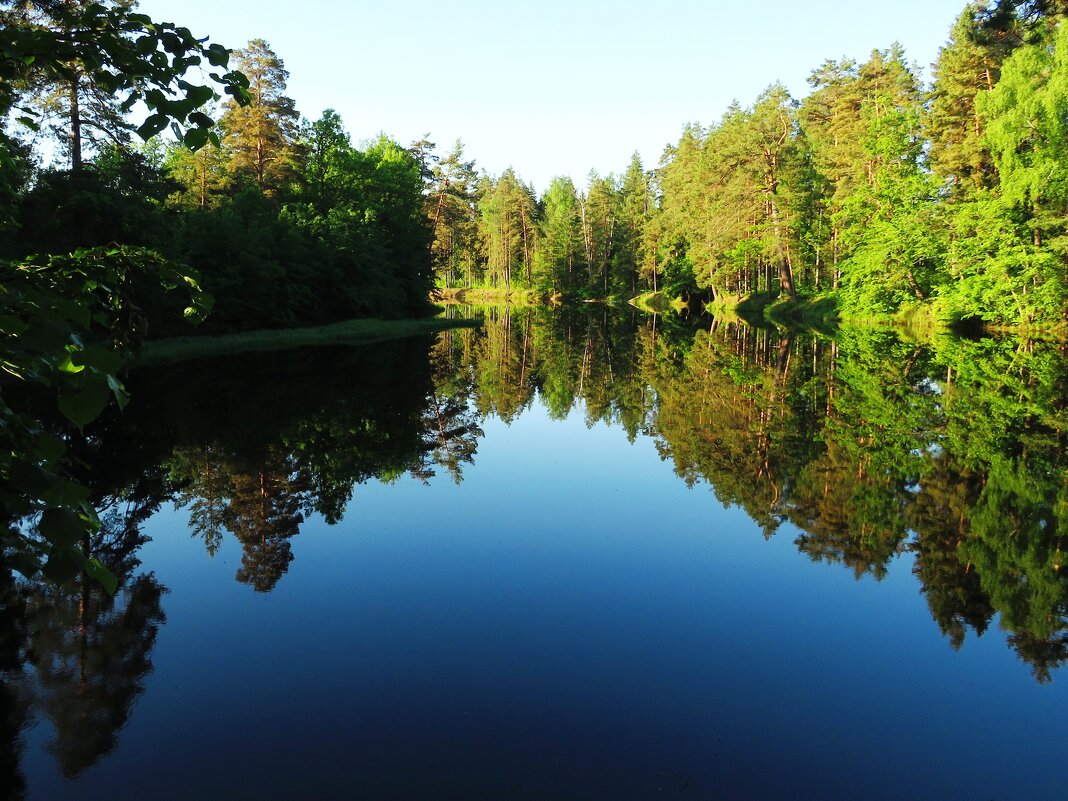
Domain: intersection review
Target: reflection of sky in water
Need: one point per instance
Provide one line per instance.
(570, 622)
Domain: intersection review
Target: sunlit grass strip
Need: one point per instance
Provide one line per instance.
(350, 332)
(490, 296)
(658, 303)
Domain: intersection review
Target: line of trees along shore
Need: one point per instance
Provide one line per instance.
(886, 193)
(283, 221)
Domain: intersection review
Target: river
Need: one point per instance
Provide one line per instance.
(565, 556)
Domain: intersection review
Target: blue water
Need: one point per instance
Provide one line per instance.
(572, 622)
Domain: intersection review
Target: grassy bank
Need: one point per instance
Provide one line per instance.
(494, 296)
(349, 332)
(658, 302)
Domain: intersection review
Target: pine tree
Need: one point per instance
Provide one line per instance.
(965, 68)
(508, 217)
(636, 209)
(560, 251)
(202, 175)
(451, 211)
(77, 109)
(261, 137)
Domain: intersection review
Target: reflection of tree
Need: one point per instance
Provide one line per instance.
(451, 433)
(296, 434)
(262, 506)
(15, 697)
(264, 513)
(1017, 545)
(563, 355)
(1043, 654)
(954, 592)
(869, 445)
(91, 655)
(206, 492)
(728, 412)
(851, 442)
(506, 366)
(90, 650)
(844, 516)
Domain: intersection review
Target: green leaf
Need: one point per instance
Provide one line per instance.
(196, 138)
(63, 492)
(66, 364)
(11, 325)
(96, 570)
(72, 310)
(63, 527)
(83, 401)
(47, 337)
(172, 44)
(218, 56)
(29, 479)
(25, 563)
(63, 565)
(199, 95)
(152, 126)
(48, 447)
(100, 358)
(122, 397)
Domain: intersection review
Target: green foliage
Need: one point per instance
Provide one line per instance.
(123, 53)
(892, 222)
(261, 134)
(508, 226)
(560, 251)
(1008, 255)
(452, 211)
(966, 69)
(68, 323)
(344, 237)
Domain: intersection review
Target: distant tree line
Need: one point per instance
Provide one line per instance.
(883, 192)
(887, 194)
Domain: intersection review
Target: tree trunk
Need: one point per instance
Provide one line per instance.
(75, 128)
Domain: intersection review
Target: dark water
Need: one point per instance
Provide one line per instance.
(565, 557)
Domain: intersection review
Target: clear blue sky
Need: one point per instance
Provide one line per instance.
(554, 87)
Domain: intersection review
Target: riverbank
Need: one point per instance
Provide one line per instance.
(491, 296)
(349, 332)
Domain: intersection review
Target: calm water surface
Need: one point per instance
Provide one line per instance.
(566, 559)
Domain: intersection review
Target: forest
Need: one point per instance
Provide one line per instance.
(873, 197)
(136, 198)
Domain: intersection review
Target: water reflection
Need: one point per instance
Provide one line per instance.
(863, 447)
(870, 446)
(77, 655)
(256, 444)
